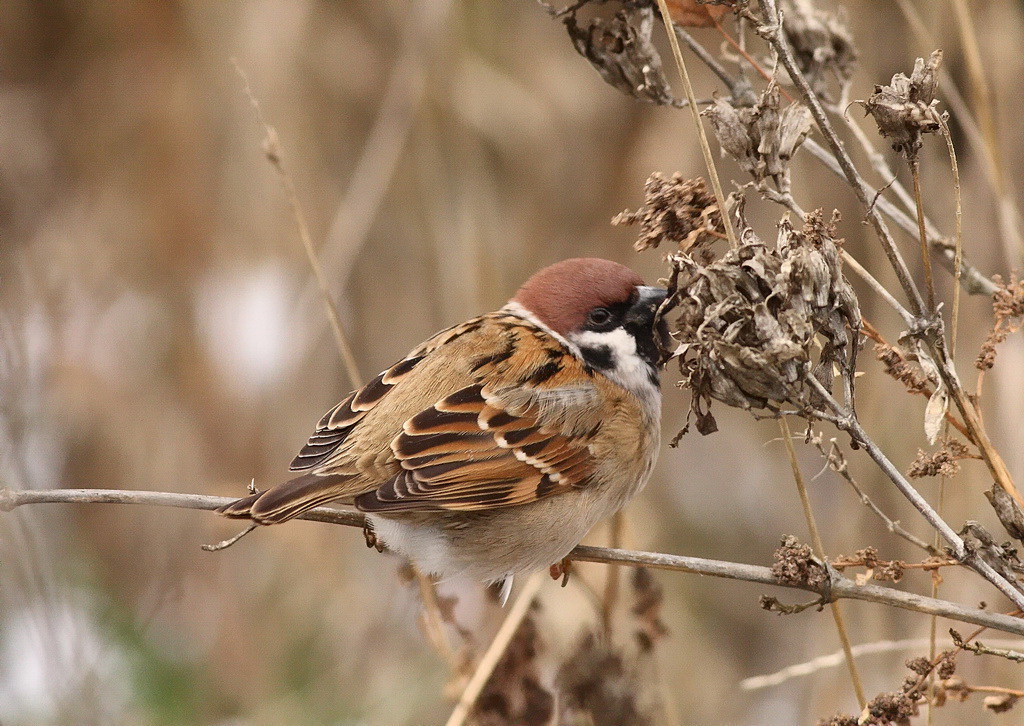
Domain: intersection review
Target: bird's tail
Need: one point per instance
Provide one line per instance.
(289, 499)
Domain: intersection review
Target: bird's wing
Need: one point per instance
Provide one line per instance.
(518, 434)
(469, 452)
(476, 430)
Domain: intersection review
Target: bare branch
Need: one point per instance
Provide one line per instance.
(838, 587)
(836, 659)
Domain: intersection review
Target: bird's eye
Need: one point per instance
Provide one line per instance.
(599, 316)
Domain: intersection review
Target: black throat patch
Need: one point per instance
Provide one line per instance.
(600, 357)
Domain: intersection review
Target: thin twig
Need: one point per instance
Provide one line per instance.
(983, 108)
(702, 137)
(710, 61)
(836, 659)
(951, 93)
(955, 326)
(883, 292)
(871, 332)
(997, 467)
(609, 598)
(982, 649)
(496, 649)
(224, 544)
(840, 587)
(381, 153)
(973, 280)
(926, 258)
(839, 465)
(433, 623)
(1004, 199)
(958, 238)
(972, 419)
(272, 148)
(837, 613)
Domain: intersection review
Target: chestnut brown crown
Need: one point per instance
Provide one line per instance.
(562, 294)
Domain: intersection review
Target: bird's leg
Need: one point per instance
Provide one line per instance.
(371, 536)
(561, 569)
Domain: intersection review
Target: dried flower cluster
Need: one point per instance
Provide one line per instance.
(896, 708)
(796, 565)
(622, 52)
(905, 109)
(762, 139)
(754, 325)
(874, 568)
(944, 462)
(822, 45)
(1008, 309)
(677, 210)
(899, 365)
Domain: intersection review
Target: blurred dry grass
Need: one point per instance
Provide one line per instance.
(160, 329)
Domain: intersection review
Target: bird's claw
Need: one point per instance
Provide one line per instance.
(561, 569)
(371, 537)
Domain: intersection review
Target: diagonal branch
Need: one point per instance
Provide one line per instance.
(775, 37)
(848, 422)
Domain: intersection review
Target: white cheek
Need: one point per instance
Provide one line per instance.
(628, 369)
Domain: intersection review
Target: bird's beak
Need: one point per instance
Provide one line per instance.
(643, 314)
(648, 300)
(649, 295)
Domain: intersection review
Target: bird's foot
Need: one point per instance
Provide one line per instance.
(561, 569)
(371, 537)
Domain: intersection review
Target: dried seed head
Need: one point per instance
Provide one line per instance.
(1000, 703)
(1008, 309)
(890, 708)
(840, 719)
(762, 139)
(1008, 511)
(795, 564)
(678, 211)
(622, 52)
(944, 462)
(947, 664)
(905, 109)
(897, 364)
(755, 324)
(822, 46)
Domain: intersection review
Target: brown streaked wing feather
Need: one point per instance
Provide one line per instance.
(336, 425)
(469, 451)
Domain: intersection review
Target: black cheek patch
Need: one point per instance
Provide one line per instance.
(599, 356)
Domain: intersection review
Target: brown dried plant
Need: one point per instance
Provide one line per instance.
(1008, 311)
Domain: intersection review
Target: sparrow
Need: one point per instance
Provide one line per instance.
(496, 445)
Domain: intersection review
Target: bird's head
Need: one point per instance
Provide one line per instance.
(605, 310)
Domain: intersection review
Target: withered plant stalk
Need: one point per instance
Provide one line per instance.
(819, 547)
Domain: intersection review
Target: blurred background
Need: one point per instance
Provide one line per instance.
(160, 329)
